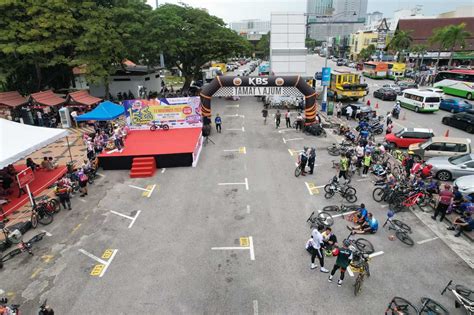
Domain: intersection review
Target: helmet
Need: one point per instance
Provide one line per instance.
(390, 213)
(411, 152)
(346, 242)
(335, 251)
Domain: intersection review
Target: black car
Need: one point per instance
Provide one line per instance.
(407, 85)
(385, 94)
(359, 111)
(462, 120)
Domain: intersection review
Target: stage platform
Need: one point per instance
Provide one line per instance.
(172, 148)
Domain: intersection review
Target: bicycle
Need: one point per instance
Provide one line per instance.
(154, 126)
(360, 244)
(400, 202)
(323, 218)
(12, 309)
(360, 265)
(10, 237)
(349, 212)
(464, 296)
(51, 205)
(39, 214)
(347, 192)
(401, 306)
(22, 247)
(401, 229)
(298, 169)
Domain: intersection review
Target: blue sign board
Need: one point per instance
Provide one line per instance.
(326, 77)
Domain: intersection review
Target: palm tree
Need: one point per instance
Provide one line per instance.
(438, 38)
(419, 50)
(401, 41)
(455, 35)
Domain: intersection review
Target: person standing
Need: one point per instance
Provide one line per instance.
(277, 118)
(445, 198)
(218, 122)
(299, 122)
(82, 182)
(349, 111)
(303, 159)
(63, 191)
(338, 109)
(408, 163)
(343, 260)
(343, 166)
(287, 119)
(317, 242)
(264, 114)
(366, 161)
(311, 160)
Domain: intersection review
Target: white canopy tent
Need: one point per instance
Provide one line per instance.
(17, 140)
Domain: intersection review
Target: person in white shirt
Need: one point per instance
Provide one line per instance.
(313, 246)
(349, 111)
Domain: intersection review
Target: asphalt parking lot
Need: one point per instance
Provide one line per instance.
(225, 237)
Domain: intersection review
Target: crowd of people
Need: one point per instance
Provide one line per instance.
(107, 136)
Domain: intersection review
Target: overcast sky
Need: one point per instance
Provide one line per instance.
(235, 10)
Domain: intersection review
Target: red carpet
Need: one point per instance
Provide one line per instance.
(146, 142)
(43, 179)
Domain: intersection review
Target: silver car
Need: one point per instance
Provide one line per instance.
(465, 184)
(447, 168)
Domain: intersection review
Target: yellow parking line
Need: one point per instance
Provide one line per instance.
(76, 228)
(107, 254)
(35, 273)
(97, 270)
(244, 242)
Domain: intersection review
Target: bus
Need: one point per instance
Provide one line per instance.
(420, 100)
(375, 70)
(346, 85)
(264, 69)
(456, 82)
(396, 70)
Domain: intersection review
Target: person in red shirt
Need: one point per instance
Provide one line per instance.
(445, 198)
(426, 171)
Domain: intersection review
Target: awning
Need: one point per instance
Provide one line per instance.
(464, 55)
(104, 111)
(82, 98)
(17, 140)
(47, 98)
(12, 99)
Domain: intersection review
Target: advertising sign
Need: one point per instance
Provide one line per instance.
(179, 112)
(25, 177)
(326, 76)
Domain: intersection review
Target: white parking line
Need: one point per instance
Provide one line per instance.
(309, 189)
(255, 307)
(343, 214)
(363, 179)
(252, 253)
(427, 240)
(99, 174)
(136, 187)
(294, 139)
(128, 217)
(246, 183)
(47, 233)
(236, 106)
(376, 254)
(248, 208)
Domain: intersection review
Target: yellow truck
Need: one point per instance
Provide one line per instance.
(221, 66)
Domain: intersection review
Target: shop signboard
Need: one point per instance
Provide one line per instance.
(25, 177)
(326, 76)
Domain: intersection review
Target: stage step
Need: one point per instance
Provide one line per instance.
(143, 167)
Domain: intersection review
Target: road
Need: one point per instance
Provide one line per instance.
(412, 119)
(226, 236)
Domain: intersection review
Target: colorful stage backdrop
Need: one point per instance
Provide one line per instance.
(179, 112)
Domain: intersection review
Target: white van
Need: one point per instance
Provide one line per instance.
(420, 100)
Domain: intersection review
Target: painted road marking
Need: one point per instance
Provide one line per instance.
(99, 174)
(255, 307)
(235, 115)
(47, 258)
(363, 179)
(427, 240)
(35, 273)
(128, 217)
(284, 130)
(312, 188)
(241, 150)
(150, 189)
(293, 152)
(47, 233)
(100, 269)
(244, 242)
(249, 247)
(237, 129)
(76, 228)
(294, 139)
(246, 183)
(136, 187)
(248, 208)
(163, 170)
(343, 214)
(236, 106)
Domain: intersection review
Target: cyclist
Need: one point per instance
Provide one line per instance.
(303, 159)
(317, 238)
(329, 240)
(264, 114)
(370, 226)
(311, 159)
(344, 257)
(343, 166)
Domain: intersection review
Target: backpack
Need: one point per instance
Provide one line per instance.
(83, 177)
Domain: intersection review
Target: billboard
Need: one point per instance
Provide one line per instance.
(326, 76)
(179, 112)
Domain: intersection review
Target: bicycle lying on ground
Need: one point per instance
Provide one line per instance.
(22, 247)
(349, 212)
(401, 229)
(347, 192)
(400, 306)
(322, 218)
(154, 126)
(464, 296)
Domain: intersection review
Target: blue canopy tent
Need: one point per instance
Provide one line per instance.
(104, 111)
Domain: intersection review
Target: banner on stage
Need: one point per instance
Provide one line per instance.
(178, 112)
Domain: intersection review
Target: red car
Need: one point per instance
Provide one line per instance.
(407, 136)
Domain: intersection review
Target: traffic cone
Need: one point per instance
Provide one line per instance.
(447, 133)
(377, 105)
(404, 117)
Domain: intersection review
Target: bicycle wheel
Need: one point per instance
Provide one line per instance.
(45, 218)
(402, 225)
(334, 151)
(350, 190)
(11, 254)
(34, 220)
(396, 204)
(431, 307)
(399, 306)
(37, 238)
(328, 188)
(331, 208)
(297, 171)
(54, 204)
(396, 171)
(165, 127)
(404, 238)
(325, 218)
(378, 194)
(153, 128)
(351, 198)
(364, 246)
(329, 195)
(358, 284)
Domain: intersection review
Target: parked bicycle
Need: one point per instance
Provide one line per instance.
(401, 306)
(360, 244)
(154, 126)
(464, 296)
(11, 237)
(322, 218)
(41, 215)
(50, 205)
(401, 202)
(347, 192)
(401, 229)
(22, 247)
(360, 265)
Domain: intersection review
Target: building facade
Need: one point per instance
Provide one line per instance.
(251, 29)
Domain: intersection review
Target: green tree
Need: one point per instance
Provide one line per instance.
(455, 36)
(438, 39)
(191, 37)
(400, 42)
(366, 53)
(419, 50)
(262, 48)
